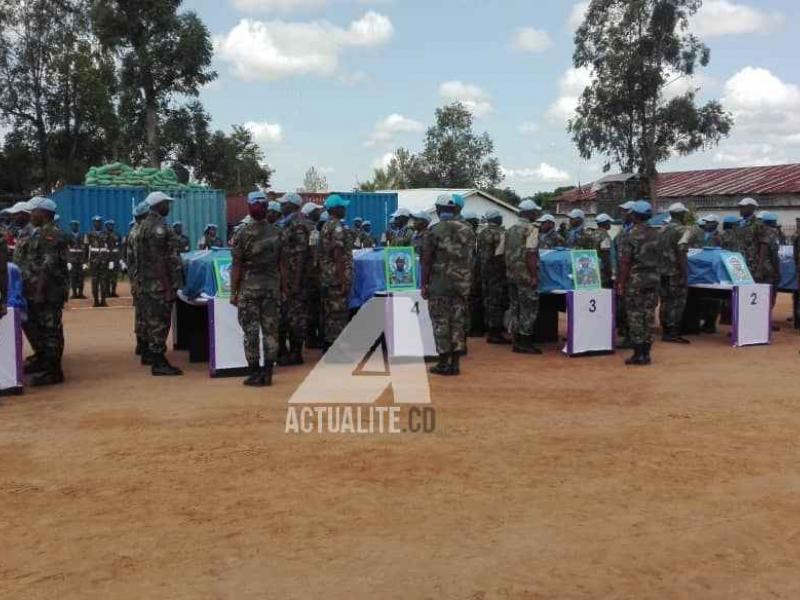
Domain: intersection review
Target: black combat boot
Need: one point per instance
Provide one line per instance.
(33, 364)
(295, 352)
(139, 347)
(146, 359)
(523, 344)
(496, 337)
(638, 355)
(255, 377)
(162, 368)
(442, 367)
(646, 354)
(455, 367)
(52, 376)
(266, 374)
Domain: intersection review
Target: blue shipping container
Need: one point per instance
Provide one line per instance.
(194, 208)
(375, 208)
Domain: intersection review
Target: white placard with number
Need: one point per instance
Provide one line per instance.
(752, 315)
(590, 321)
(408, 324)
(226, 338)
(10, 351)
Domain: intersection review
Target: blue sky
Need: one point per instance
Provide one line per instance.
(339, 84)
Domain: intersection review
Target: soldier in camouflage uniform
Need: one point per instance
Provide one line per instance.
(184, 245)
(311, 283)
(447, 264)
(96, 241)
(369, 240)
(639, 280)
(294, 308)
(579, 237)
(113, 242)
(159, 275)
(365, 239)
(45, 279)
(549, 237)
(708, 308)
(728, 240)
(258, 280)
(421, 225)
(403, 234)
(769, 270)
(674, 288)
(139, 324)
(621, 317)
(336, 270)
(750, 237)
(475, 327)
(521, 252)
(494, 286)
(210, 238)
(604, 249)
(77, 257)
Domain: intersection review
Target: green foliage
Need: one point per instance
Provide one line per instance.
(636, 50)
(314, 181)
(233, 162)
(506, 194)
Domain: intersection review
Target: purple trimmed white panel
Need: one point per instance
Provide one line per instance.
(11, 350)
(752, 315)
(590, 321)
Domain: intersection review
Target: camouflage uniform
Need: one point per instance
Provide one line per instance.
(184, 245)
(258, 252)
(139, 325)
(335, 299)
(294, 310)
(728, 240)
(450, 250)
(770, 272)
(494, 287)
(749, 238)
(621, 312)
(113, 243)
(402, 237)
(418, 241)
(77, 257)
(45, 279)
(641, 248)
(207, 242)
(159, 273)
(673, 289)
(97, 244)
(598, 240)
(312, 286)
(475, 326)
(367, 240)
(550, 240)
(521, 239)
(21, 240)
(697, 237)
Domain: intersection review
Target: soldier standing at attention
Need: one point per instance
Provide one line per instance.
(258, 279)
(521, 253)
(549, 237)
(113, 243)
(364, 237)
(336, 270)
(139, 324)
(627, 224)
(421, 225)
(77, 258)
(638, 282)
(728, 241)
(604, 243)
(447, 265)
(184, 245)
(97, 243)
(494, 286)
(769, 269)
(311, 283)
(23, 230)
(402, 236)
(46, 283)
(369, 241)
(159, 275)
(475, 327)
(297, 259)
(210, 239)
(674, 288)
(709, 309)
(750, 238)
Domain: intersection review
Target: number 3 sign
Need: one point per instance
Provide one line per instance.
(590, 322)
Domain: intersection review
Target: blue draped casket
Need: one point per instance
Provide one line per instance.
(16, 299)
(707, 266)
(788, 269)
(198, 271)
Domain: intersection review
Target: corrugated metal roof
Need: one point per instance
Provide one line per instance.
(425, 198)
(755, 181)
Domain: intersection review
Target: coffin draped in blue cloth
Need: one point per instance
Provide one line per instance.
(707, 266)
(16, 299)
(198, 271)
(788, 269)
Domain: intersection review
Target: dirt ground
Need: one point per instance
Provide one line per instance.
(547, 477)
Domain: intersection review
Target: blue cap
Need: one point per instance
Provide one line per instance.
(42, 203)
(528, 205)
(74, 222)
(642, 207)
(367, 224)
(97, 218)
(154, 198)
(109, 222)
(176, 223)
(627, 205)
(274, 205)
(458, 200)
(324, 216)
(210, 226)
(335, 200)
(730, 220)
(358, 220)
(257, 196)
(292, 198)
(769, 217)
(141, 209)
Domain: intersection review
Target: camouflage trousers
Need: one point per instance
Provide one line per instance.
(76, 277)
(139, 325)
(294, 316)
(640, 309)
(524, 301)
(621, 318)
(313, 311)
(336, 313)
(99, 273)
(112, 277)
(495, 304)
(258, 316)
(45, 333)
(672, 294)
(156, 318)
(449, 315)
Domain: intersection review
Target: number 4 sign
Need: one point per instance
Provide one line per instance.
(752, 315)
(590, 322)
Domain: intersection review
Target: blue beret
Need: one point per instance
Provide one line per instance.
(642, 207)
(257, 196)
(335, 200)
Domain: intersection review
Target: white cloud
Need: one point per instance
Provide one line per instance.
(265, 133)
(577, 15)
(275, 5)
(386, 129)
(529, 39)
(269, 50)
(528, 128)
(722, 17)
(383, 161)
(471, 96)
(544, 173)
(570, 86)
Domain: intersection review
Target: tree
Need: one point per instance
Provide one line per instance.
(507, 195)
(162, 53)
(454, 156)
(636, 50)
(404, 171)
(314, 181)
(234, 162)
